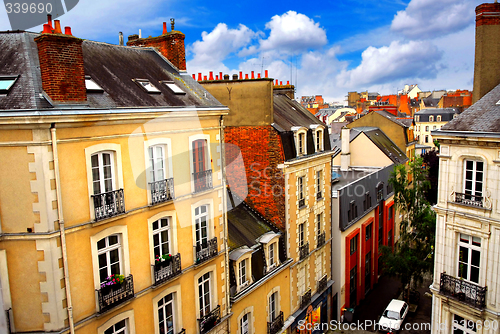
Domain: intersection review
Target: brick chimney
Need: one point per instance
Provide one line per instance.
(169, 44)
(486, 65)
(61, 64)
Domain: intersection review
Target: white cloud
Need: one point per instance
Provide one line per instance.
(430, 18)
(397, 61)
(293, 33)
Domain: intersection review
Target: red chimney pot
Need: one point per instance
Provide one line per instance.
(211, 75)
(246, 76)
(220, 75)
(49, 20)
(266, 74)
(258, 75)
(57, 28)
(194, 76)
(164, 28)
(253, 77)
(241, 75)
(67, 31)
(199, 76)
(47, 29)
(204, 78)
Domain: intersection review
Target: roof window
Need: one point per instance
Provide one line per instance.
(173, 87)
(6, 83)
(91, 85)
(147, 85)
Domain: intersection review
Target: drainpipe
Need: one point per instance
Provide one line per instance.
(61, 228)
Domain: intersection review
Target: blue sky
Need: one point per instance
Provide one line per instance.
(323, 47)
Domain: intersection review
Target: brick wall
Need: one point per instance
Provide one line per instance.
(262, 151)
(61, 67)
(170, 45)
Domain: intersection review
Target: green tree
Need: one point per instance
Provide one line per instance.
(413, 256)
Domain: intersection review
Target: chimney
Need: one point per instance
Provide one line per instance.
(120, 38)
(169, 44)
(486, 64)
(61, 66)
(345, 158)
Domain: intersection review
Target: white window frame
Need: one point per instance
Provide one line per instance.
(212, 269)
(198, 219)
(459, 324)
(301, 234)
(438, 118)
(273, 305)
(301, 149)
(301, 180)
(163, 307)
(249, 313)
(474, 176)
(319, 136)
(244, 324)
(100, 167)
(107, 251)
(211, 228)
(127, 315)
(471, 247)
(319, 223)
(243, 282)
(431, 118)
(177, 302)
(319, 187)
(166, 144)
(208, 156)
(204, 282)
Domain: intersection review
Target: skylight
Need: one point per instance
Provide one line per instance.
(173, 87)
(6, 83)
(91, 85)
(146, 85)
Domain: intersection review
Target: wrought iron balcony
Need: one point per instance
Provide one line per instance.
(467, 292)
(113, 295)
(206, 250)
(274, 326)
(202, 180)
(305, 299)
(210, 320)
(167, 269)
(304, 250)
(162, 191)
(321, 239)
(468, 199)
(108, 204)
(322, 283)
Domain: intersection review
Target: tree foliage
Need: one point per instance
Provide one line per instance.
(413, 256)
(431, 162)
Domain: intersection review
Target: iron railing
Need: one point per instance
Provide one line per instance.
(321, 239)
(467, 292)
(468, 199)
(108, 204)
(206, 250)
(113, 295)
(304, 250)
(322, 283)
(202, 180)
(210, 320)
(183, 331)
(274, 326)
(166, 270)
(162, 191)
(305, 299)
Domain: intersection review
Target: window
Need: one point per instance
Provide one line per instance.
(380, 192)
(319, 178)
(146, 85)
(352, 213)
(367, 202)
(173, 87)
(301, 234)
(380, 229)
(102, 172)
(391, 213)
(301, 143)
(368, 232)
(300, 190)
(118, 328)
(433, 127)
(319, 140)
(109, 254)
(438, 118)
(427, 128)
(6, 83)
(273, 306)
(204, 294)
(242, 273)
(417, 118)
(463, 326)
(202, 174)
(161, 237)
(353, 247)
(469, 257)
(201, 225)
(157, 163)
(431, 118)
(166, 315)
(272, 254)
(455, 115)
(353, 282)
(91, 85)
(473, 181)
(244, 324)
(319, 219)
(426, 139)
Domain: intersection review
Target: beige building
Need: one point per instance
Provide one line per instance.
(427, 120)
(112, 205)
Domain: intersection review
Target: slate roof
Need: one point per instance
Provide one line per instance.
(404, 122)
(445, 113)
(111, 66)
(482, 116)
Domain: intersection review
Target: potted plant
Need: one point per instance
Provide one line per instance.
(163, 260)
(112, 283)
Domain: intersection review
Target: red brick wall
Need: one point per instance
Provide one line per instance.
(170, 45)
(262, 151)
(61, 67)
(487, 14)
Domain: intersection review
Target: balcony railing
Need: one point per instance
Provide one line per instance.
(302, 203)
(468, 199)
(206, 250)
(322, 283)
(304, 250)
(210, 320)
(319, 195)
(167, 269)
(202, 180)
(108, 204)
(113, 295)
(162, 191)
(305, 299)
(464, 291)
(321, 239)
(274, 326)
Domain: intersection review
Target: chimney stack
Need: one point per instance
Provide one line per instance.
(120, 38)
(345, 158)
(487, 55)
(61, 65)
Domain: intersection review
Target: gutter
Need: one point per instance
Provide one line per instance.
(465, 134)
(61, 229)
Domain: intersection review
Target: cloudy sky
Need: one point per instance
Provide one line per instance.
(323, 47)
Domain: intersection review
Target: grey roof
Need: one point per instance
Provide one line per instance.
(437, 111)
(289, 113)
(482, 116)
(111, 66)
(404, 122)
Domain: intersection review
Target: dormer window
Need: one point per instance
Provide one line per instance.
(319, 140)
(6, 83)
(431, 118)
(417, 118)
(242, 267)
(438, 118)
(147, 86)
(173, 87)
(270, 245)
(302, 140)
(91, 85)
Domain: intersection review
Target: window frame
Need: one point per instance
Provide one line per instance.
(319, 188)
(175, 291)
(301, 196)
(172, 216)
(12, 78)
(127, 315)
(273, 305)
(474, 177)
(431, 118)
(301, 140)
(471, 248)
(207, 157)
(438, 118)
(319, 140)
(107, 252)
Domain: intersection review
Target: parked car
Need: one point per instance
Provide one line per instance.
(393, 316)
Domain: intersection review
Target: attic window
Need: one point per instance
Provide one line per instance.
(498, 103)
(6, 83)
(91, 85)
(147, 85)
(173, 87)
